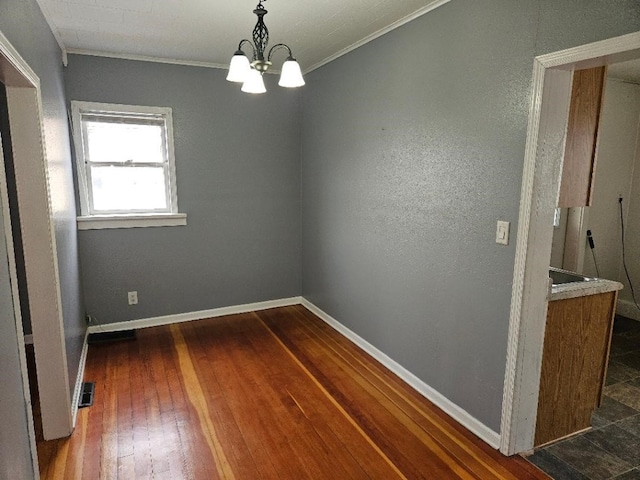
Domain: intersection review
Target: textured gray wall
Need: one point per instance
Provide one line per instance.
(22, 22)
(412, 148)
(238, 177)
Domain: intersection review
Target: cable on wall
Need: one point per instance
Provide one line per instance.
(624, 260)
(592, 246)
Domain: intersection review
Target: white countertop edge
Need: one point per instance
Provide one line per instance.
(582, 289)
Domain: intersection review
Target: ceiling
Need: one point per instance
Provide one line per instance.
(208, 31)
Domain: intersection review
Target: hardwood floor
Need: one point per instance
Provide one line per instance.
(271, 394)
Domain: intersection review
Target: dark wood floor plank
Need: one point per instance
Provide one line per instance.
(95, 371)
(253, 415)
(197, 459)
(397, 442)
(437, 418)
(125, 433)
(204, 354)
(409, 412)
(109, 451)
(324, 433)
(205, 457)
(274, 374)
(275, 394)
(171, 446)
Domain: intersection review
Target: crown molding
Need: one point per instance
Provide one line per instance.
(145, 58)
(369, 38)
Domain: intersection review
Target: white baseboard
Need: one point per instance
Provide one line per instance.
(189, 316)
(28, 339)
(79, 380)
(450, 408)
(628, 309)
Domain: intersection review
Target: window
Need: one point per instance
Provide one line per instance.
(126, 170)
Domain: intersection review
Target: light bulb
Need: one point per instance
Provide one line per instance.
(291, 76)
(239, 67)
(254, 82)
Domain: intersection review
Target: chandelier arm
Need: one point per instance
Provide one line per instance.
(247, 42)
(278, 46)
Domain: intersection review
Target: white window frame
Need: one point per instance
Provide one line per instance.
(89, 220)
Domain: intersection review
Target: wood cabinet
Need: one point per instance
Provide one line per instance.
(582, 135)
(574, 361)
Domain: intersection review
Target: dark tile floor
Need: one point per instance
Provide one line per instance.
(611, 450)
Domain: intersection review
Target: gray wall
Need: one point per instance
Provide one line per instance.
(412, 148)
(238, 177)
(23, 24)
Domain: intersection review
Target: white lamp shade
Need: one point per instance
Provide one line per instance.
(239, 68)
(254, 82)
(291, 76)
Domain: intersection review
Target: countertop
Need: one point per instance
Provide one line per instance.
(564, 291)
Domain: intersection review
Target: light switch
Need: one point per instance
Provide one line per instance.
(502, 233)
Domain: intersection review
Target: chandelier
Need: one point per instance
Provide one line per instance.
(250, 74)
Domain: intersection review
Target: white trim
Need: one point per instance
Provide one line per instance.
(26, 389)
(540, 187)
(41, 260)
(161, 114)
(28, 339)
(442, 402)
(596, 54)
(369, 38)
(54, 29)
(190, 316)
(17, 313)
(530, 285)
(145, 58)
(25, 77)
(79, 380)
(627, 309)
(101, 222)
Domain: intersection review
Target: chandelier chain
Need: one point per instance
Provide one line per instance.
(260, 32)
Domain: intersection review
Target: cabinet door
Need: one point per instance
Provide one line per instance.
(582, 134)
(574, 361)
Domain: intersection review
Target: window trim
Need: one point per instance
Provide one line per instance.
(87, 219)
(102, 222)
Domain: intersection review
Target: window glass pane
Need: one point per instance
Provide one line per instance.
(124, 142)
(128, 188)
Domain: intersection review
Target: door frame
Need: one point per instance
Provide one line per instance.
(548, 115)
(38, 235)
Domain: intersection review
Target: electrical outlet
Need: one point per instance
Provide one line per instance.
(132, 297)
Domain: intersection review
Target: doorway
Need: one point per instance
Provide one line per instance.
(24, 118)
(552, 77)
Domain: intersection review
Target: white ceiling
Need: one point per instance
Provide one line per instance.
(208, 31)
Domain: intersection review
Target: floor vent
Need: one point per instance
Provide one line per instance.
(106, 337)
(86, 396)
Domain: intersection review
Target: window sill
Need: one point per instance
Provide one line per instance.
(100, 222)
